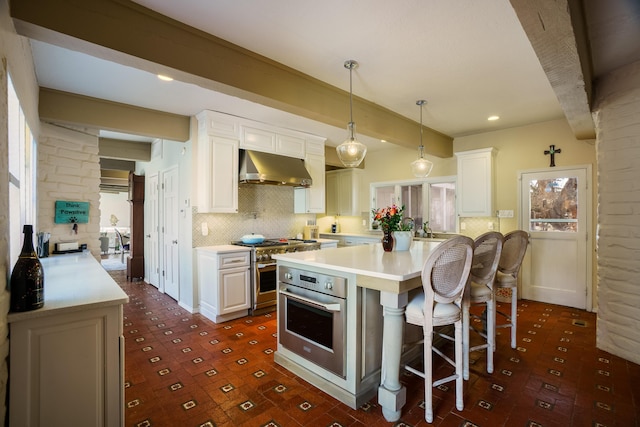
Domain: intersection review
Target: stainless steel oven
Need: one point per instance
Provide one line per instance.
(312, 317)
(263, 267)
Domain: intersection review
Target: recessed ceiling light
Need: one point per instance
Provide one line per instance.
(493, 118)
(165, 78)
(383, 140)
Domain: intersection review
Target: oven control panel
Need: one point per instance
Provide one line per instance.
(328, 284)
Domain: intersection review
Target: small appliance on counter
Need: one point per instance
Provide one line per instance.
(311, 232)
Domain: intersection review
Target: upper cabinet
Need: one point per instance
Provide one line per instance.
(476, 182)
(217, 164)
(216, 154)
(312, 199)
(273, 141)
(343, 196)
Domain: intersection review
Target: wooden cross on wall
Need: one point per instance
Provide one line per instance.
(552, 151)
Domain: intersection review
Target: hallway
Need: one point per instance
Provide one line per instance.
(183, 370)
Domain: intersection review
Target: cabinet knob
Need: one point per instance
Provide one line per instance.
(175, 242)
(149, 236)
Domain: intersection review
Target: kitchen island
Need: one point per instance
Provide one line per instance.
(369, 271)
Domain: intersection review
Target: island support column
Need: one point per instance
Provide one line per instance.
(392, 395)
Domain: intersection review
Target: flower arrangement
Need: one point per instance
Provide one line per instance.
(390, 218)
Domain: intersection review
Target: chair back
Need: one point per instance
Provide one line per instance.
(487, 250)
(121, 239)
(446, 271)
(514, 248)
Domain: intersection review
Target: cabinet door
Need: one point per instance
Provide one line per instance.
(258, 139)
(312, 199)
(78, 350)
(223, 186)
(475, 183)
(233, 285)
(290, 146)
(331, 185)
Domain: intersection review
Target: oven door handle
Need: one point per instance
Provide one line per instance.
(327, 307)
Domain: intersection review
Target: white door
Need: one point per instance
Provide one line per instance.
(152, 232)
(555, 210)
(170, 215)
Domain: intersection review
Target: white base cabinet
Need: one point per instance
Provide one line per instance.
(67, 358)
(224, 282)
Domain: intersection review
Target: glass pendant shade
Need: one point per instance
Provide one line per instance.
(421, 167)
(351, 152)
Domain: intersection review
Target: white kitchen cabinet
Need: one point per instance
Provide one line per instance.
(476, 183)
(224, 282)
(329, 244)
(312, 199)
(216, 159)
(274, 141)
(67, 358)
(343, 192)
(359, 240)
(258, 139)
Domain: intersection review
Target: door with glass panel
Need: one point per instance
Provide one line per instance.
(555, 209)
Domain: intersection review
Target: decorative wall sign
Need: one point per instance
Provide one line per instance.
(552, 151)
(68, 212)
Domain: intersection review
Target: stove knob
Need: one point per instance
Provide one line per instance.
(328, 285)
(288, 276)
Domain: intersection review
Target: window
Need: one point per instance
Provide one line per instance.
(435, 196)
(22, 157)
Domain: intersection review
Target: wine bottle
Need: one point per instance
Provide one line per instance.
(27, 278)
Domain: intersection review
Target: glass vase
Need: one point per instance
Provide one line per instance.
(387, 240)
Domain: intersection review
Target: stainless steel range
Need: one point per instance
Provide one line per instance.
(263, 267)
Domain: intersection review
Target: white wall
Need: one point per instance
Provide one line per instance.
(116, 204)
(618, 144)
(69, 169)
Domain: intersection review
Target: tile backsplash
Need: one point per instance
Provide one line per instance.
(262, 209)
(475, 226)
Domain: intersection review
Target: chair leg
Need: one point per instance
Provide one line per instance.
(459, 363)
(428, 376)
(491, 333)
(514, 315)
(465, 339)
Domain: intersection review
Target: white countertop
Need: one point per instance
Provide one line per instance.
(74, 282)
(218, 249)
(367, 260)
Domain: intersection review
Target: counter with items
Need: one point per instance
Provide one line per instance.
(75, 338)
(369, 273)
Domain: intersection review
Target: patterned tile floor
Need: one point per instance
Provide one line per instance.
(183, 370)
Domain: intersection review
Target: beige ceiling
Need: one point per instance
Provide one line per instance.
(524, 60)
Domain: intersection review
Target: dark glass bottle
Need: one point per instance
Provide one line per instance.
(27, 279)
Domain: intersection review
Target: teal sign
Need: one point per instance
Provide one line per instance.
(72, 212)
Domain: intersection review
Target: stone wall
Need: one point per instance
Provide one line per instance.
(617, 116)
(69, 169)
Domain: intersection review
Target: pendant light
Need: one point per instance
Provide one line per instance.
(351, 152)
(421, 167)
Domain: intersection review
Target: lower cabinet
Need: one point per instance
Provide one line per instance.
(224, 284)
(68, 369)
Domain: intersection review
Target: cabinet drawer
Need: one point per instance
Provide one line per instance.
(233, 259)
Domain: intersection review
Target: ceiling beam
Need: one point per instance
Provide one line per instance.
(117, 165)
(557, 32)
(127, 33)
(124, 150)
(68, 108)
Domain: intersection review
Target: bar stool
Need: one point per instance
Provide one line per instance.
(439, 303)
(514, 248)
(486, 254)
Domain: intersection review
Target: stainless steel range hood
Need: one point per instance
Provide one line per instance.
(266, 168)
